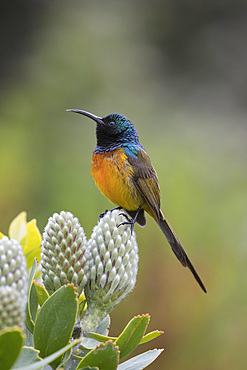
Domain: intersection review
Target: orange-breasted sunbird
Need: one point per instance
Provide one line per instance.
(123, 172)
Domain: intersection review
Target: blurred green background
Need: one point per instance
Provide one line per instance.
(177, 70)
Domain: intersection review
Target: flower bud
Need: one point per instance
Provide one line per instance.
(13, 282)
(113, 267)
(64, 256)
(13, 266)
(12, 309)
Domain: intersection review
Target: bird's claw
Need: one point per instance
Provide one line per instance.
(130, 221)
(101, 215)
(107, 210)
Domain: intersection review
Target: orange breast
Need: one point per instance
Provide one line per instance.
(113, 175)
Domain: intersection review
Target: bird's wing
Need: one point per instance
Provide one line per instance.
(146, 180)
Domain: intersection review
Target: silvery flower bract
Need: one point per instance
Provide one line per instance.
(13, 282)
(12, 310)
(64, 255)
(113, 267)
(13, 266)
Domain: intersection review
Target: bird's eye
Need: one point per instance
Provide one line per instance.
(112, 123)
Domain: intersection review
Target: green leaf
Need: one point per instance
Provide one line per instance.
(99, 338)
(32, 273)
(42, 293)
(66, 356)
(141, 361)
(105, 357)
(150, 336)
(132, 335)
(11, 341)
(51, 358)
(33, 303)
(29, 321)
(90, 368)
(55, 322)
(74, 362)
(102, 329)
(27, 357)
(103, 338)
(29, 338)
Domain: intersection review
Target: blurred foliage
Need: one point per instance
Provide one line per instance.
(177, 72)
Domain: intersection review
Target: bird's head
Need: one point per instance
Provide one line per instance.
(113, 129)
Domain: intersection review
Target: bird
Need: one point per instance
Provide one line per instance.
(123, 172)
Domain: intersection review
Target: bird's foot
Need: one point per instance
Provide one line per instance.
(130, 221)
(107, 210)
(101, 215)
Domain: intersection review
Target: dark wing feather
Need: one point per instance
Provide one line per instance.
(146, 180)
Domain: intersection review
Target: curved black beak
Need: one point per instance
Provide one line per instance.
(87, 114)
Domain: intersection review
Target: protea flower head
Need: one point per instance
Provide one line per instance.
(13, 281)
(12, 308)
(64, 257)
(113, 267)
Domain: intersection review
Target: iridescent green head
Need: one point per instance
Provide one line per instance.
(112, 131)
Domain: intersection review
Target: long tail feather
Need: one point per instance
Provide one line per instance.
(177, 248)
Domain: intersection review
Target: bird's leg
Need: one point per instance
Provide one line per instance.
(103, 213)
(130, 221)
